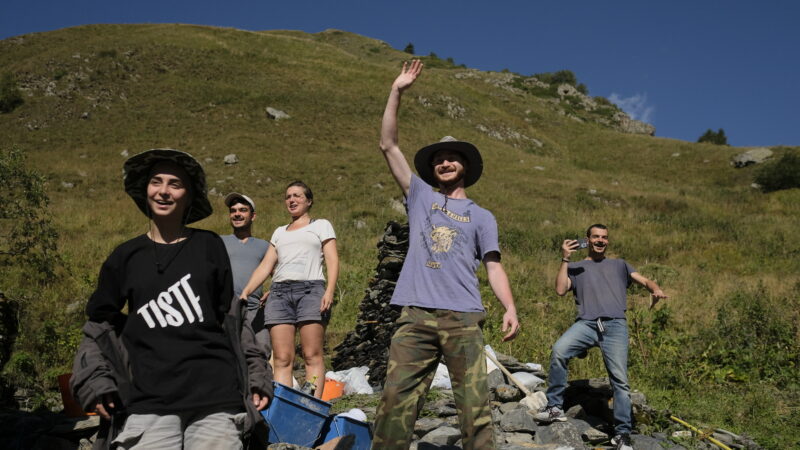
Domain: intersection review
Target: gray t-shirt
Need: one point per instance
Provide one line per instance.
(245, 257)
(600, 287)
(445, 249)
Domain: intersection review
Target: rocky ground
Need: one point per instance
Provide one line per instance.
(588, 404)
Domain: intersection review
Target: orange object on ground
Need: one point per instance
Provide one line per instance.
(333, 389)
(71, 407)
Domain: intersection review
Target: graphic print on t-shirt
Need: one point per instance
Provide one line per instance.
(173, 307)
(443, 238)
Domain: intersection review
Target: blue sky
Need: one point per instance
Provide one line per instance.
(683, 65)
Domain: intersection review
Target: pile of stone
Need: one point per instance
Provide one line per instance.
(366, 345)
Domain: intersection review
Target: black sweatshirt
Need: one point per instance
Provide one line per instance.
(177, 295)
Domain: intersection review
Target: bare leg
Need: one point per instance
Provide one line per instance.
(312, 338)
(282, 336)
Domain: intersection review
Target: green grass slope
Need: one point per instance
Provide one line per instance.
(721, 351)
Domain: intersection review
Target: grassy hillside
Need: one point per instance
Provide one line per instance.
(721, 351)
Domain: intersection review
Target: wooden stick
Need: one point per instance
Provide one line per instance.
(505, 371)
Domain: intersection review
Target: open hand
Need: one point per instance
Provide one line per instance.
(408, 75)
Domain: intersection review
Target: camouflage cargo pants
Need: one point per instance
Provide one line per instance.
(423, 335)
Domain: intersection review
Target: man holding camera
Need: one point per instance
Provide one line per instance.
(600, 287)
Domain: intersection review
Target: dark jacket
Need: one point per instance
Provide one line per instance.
(101, 367)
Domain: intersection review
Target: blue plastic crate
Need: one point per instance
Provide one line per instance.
(337, 426)
(294, 417)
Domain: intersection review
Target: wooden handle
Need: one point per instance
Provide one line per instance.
(505, 371)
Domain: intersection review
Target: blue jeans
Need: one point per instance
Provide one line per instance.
(613, 343)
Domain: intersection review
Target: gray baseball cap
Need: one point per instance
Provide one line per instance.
(231, 198)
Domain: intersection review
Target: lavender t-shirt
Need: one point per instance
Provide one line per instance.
(600, 287)
(446, 246)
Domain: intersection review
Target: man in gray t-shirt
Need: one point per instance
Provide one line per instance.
(600, 287)
(442, 314)
(246, 253)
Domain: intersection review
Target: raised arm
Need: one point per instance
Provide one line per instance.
(498, 280)
(389, 140)
(261, 273)
(563, 284)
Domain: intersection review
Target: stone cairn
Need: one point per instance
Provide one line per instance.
(366, 345)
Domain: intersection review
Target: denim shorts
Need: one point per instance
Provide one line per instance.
(295, 301)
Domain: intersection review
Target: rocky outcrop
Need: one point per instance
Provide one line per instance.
(627, 125)
(752, 156)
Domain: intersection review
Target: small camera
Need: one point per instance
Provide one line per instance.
(582, 243)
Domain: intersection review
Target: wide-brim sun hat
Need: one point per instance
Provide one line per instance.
(474, 169)
(231, 198)
(137, 173)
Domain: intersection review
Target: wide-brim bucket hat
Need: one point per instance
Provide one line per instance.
(474, 169)
(137, 173)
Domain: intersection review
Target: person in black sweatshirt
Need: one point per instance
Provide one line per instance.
(187, 371)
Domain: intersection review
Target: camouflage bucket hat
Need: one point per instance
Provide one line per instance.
(137, 171)
(422, 160)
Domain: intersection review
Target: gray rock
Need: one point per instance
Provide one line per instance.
(576, 412)
(495, 378)
(642, 442)
(425, 425)
(508, 393)
(519, 438)
(442, 436)
(627, 125)
(561, 433)
(508, 407)
(443, 408)
(85, 115)
(124, 153)
(518, 420)
(67, 185)
(588, 432)
(638, 399)
(231, 159)
(752, 156)
(276, 114)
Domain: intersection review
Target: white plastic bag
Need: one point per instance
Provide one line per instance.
(441, 380)
(490, 366)
(355, 414)
(529, 380)
(354, 379)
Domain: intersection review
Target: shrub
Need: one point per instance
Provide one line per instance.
(10, 96)
(710, 137)
(780, 174)
(752, 339)
(560, 77)
(28, 239)
(409, 48)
